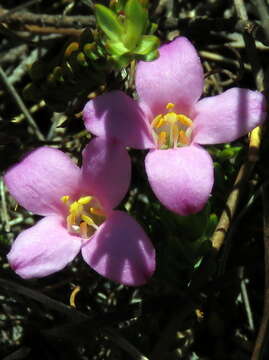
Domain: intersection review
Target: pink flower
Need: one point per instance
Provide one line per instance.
(78, 207)
(171, 121)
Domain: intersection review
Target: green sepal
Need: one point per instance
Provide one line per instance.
(148, 44)
(135, 23)
(109, 23)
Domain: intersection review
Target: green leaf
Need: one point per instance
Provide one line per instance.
(230, 152)
(211, 224)
(152, 28)
(116, 48)
(193, 226)
(121, 61)
(109, 23)
(151, 56)
(147, 45)
(136, 19)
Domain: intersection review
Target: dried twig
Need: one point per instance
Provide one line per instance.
(209, 55)
(5, 216)
(43, 20)
(254, 144)
(245, 298)
(19, 7)
(23, 67)
(20, 104)
(44, 30)
(255, 139)
(13, 54)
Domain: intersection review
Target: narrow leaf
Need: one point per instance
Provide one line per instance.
(108, 22)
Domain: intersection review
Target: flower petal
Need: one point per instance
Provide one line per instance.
(181, 178)
(40, 180)
(106, 171)
(121, 251)
(116, 115)
(175, 77)
(228, 116)
(43, 249)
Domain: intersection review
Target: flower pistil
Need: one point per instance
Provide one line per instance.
(85, 215)
(171, 130)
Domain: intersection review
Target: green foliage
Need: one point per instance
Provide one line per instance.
(184, 241)
(109, 23)
(125, 34)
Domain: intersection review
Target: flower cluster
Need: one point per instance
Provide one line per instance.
(78, 203)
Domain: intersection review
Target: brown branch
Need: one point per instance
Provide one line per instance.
(261, 339)
(44, 30)
(19, 102)
(246, 169)
(231, 205)
(56, 21)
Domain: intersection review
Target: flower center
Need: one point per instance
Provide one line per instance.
(85, 215)
(171, 130)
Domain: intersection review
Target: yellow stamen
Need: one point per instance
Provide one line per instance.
(76, 208)
(170, 106)
(85, 215)
(160, 123)
(162, 138)
(65, 199)
(96, 211)
(184, 120)
(83, 230)
(88, 220)
(183, 139)
(175, 135)
(155, 120)
(171, 129)
(71, 220)
(84, 200)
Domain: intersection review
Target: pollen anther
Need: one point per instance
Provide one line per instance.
(65, 199)
(170, 106)
(85, 215)
(171, 130)
(85, 200)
